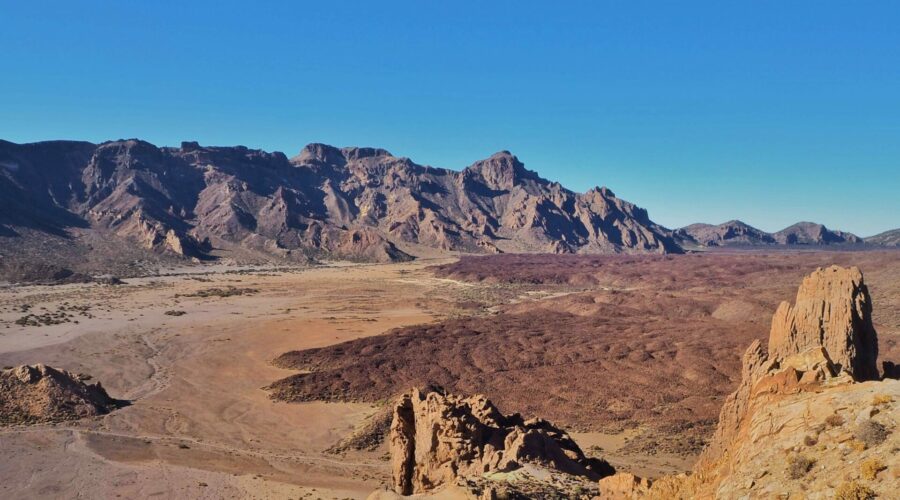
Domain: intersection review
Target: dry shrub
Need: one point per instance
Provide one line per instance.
(798, 466)
(881, 399)
(852, 490)
(834, 420)
(810, 441)
(870, 468)
(871, 432)
(857, 445)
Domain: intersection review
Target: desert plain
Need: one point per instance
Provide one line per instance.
(239, 382)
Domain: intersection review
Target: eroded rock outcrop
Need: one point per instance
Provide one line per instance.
(437, 438)
(794, 423)
(39, 393)
(833, 310)
(827, 333)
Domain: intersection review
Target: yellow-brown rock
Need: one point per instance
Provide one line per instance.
(437, 438)
(832, 310)
(801, 401)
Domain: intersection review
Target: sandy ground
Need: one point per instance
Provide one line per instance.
(199, 425)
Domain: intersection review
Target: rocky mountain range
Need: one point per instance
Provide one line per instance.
(738, 233)
(350, 203)
(89, 206)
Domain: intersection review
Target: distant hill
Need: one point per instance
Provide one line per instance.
(888, 238)
(733, 232)
(810, 233)
(737, 233)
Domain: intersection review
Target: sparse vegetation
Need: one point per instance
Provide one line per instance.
(853, 490)
(799, 465)
(882, 399)
(870, 468)
(834, 420)
(175, 313)
(857, 445)
(45, 319)
(810, 441)
(220, 292)
(871, 433)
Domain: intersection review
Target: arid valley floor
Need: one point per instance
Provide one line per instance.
(239, 379)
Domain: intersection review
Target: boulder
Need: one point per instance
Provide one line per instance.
(624, 486)
(39, 393)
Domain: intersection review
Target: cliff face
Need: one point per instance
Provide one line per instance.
(358, 203)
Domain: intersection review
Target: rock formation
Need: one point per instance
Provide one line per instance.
(833, 311)
(39, 393)
(351, 203)
(797, 405)
(437, 438)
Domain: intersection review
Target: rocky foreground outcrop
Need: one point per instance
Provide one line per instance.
(809, 416)
(39, 393)
(439, 439)
(833, 311)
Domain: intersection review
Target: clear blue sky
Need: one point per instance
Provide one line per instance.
(767, 111)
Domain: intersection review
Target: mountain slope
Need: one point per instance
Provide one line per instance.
(733, 232)
(888, 238)
(356, 203)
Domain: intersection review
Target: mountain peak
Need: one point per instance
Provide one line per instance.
(320, 153)
(811, 233)
(357, 153)
(502, 170)
(325, 153)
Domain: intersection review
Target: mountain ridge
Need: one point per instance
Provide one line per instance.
(357, 203)
(890, 237)
(739, 233)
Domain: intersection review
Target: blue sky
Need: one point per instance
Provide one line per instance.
(767, 111)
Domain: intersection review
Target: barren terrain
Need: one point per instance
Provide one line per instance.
(644, 344)
(633, 353)
(199, 424)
